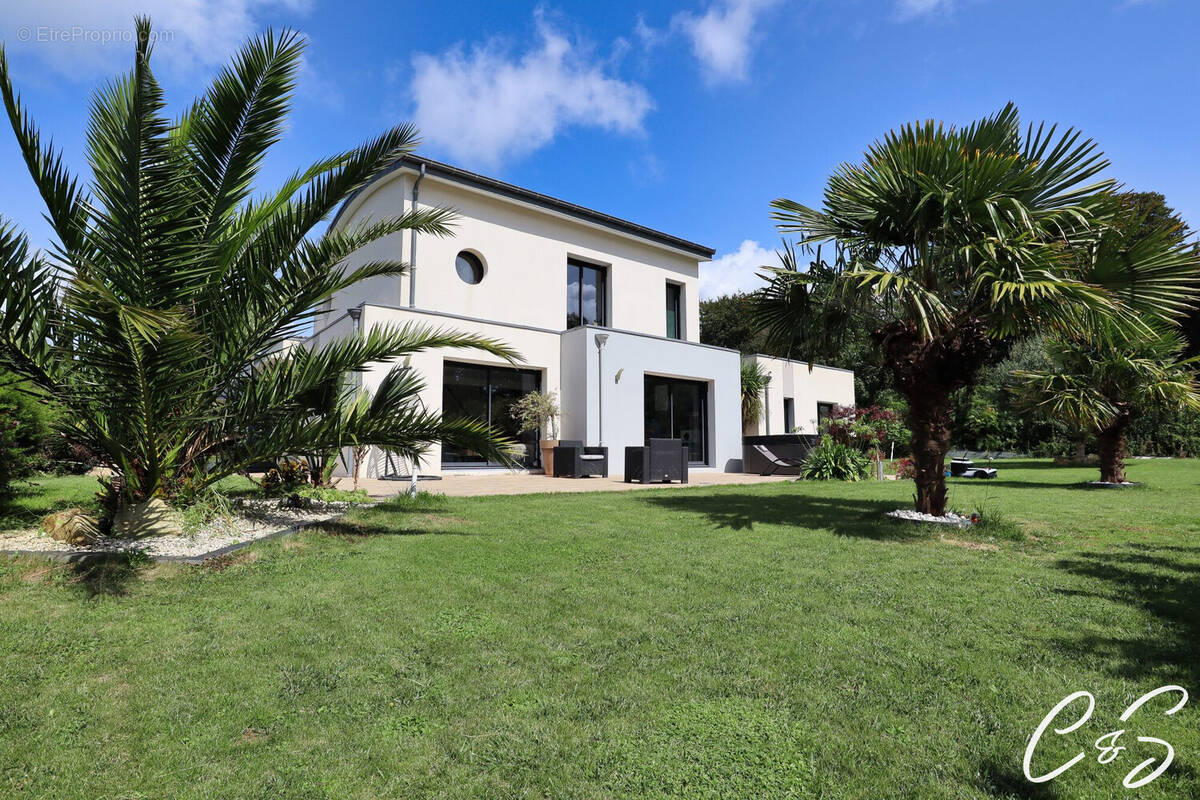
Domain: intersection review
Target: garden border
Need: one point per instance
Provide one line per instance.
(83, 555)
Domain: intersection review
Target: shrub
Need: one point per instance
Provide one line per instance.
(285, 477)
(906, 469)
(833, 461)
(537, 412)
(754, 383)
(24, 429)
(869, 428)
(329, 494)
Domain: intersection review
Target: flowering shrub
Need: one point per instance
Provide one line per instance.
(906, 469)
(867, 429)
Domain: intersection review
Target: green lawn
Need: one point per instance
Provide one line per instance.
(770, 641)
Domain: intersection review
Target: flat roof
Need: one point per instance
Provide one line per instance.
(476, 181)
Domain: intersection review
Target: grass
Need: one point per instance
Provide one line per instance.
(777, 640)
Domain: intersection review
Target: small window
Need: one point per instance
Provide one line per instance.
(469, 267)
(789, 414)
(824, 411)
(674, 311)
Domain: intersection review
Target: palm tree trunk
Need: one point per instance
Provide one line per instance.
(929, 421)
(1112, 451)
(927, 373)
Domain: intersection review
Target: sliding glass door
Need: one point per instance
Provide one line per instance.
(677, 409)
(487, 394)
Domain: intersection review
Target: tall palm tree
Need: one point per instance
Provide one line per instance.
(957, 238)
(160, 317)
(1101, 384)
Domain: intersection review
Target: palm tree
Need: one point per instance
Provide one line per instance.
(1101, 384)
(958, 238)
(161, 318)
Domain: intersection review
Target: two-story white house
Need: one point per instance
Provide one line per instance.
(547, 277)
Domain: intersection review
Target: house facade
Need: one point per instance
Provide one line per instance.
(553, 280)
(799, 397)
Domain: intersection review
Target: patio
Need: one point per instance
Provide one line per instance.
(502, 483)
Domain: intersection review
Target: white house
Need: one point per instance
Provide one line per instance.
(547, 277)
(798, 397)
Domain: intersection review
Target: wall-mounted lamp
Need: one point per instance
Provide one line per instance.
(617, 378)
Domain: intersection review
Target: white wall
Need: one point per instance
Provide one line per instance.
(539, 350)
(634, 357)
(793, 379)
(525, 252)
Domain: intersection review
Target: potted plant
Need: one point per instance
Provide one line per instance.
(538, 411)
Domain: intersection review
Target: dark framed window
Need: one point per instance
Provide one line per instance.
(678, 409)
(674, 311)
(789, 414)
(475, 391)
(824, 410)
(469, 267)
(587, 294)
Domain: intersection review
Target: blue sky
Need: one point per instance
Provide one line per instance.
(689, 117)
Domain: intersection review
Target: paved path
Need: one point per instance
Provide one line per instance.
(494, 483)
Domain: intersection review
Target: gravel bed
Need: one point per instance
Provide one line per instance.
(1112, 485)
(949, 518)
(254, 520)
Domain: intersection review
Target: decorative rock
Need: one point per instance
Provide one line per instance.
(1111, 485)
(151, 518)
(73, 526)
(252, 520)
(949, 518)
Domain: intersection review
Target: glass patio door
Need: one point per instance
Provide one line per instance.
(487, 394)
(678, 409)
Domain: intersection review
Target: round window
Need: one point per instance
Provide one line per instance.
(469, 267)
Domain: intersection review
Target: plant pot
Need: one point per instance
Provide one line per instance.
(548, 446)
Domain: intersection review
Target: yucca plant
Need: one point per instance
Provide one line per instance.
(159, 317)
(755, 381)
(957, 238)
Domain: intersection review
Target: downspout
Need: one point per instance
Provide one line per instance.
(412, 258)
(412, 303)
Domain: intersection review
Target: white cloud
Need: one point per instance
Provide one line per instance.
(721, 37)
(907, 9)
(489, 104)
(737, 271)
(81, 40)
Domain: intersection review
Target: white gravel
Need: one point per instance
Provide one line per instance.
(1112, 485)
(256, 519)
(949, 518)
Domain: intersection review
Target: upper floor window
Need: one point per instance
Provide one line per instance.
(469, 267)
(674, 311)
(587, 293)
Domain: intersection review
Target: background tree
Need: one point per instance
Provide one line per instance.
(805, 320)
(726, 321)
(1103, 384)
(960, 238)
(159, 318)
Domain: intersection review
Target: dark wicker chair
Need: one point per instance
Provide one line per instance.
(573, 460)
(660, 461)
